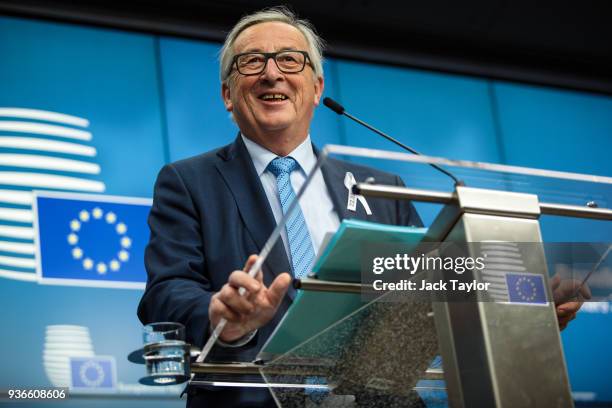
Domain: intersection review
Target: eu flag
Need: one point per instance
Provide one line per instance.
(526, 288)
(90, 240)
(97, 372)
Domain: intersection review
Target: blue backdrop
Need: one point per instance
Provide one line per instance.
(149, 100)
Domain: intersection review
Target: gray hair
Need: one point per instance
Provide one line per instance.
(283, 15)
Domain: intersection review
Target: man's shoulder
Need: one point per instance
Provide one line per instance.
(201, 160)
(203, 163)
(196, 169)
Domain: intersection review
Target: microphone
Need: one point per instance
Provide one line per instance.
(339, 109)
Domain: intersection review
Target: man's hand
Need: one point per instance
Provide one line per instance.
(567, 303)
(250, 311)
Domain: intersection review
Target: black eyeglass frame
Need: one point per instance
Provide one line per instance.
(267, 56)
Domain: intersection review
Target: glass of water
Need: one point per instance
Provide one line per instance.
(166, 354)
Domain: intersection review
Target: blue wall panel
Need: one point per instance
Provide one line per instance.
(109, 78)
(555, 129)
(327, 127)
(558, 130)
(196, 118)
(436, 114)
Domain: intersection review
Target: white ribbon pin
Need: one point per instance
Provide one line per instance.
(349, 182)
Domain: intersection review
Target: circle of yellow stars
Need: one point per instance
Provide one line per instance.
(519, 289)
(87, 262)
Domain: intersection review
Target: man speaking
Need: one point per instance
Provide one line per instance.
(212, 212)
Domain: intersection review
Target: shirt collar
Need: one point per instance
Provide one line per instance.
(303, 154)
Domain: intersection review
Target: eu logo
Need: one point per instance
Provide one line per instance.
(97, 372)
(88, 240)
(526, 288)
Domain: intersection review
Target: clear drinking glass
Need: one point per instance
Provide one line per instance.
(166, 354)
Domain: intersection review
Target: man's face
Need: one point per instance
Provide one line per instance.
(272, 121)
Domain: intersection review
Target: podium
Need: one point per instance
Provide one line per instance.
(495, 351)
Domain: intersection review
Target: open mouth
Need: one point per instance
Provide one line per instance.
(273, 97)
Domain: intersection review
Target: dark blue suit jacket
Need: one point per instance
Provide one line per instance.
(209, 214)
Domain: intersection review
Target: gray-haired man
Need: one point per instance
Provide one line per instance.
(213, 211)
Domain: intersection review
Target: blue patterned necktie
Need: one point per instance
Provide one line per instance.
(300, 245)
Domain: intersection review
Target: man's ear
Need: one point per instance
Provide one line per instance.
(226, 95)
(319, 86)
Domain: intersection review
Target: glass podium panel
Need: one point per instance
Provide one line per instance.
(551, 186)
(378, 356)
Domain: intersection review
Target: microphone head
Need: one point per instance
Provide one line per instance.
(333, 105)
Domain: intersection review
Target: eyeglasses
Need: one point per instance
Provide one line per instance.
(254, 63)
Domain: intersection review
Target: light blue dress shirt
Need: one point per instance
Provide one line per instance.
(316, 203)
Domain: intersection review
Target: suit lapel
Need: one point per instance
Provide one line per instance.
(241, 178)
(334, 172)
(333, 175)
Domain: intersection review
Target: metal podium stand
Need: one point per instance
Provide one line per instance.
(482, 344)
